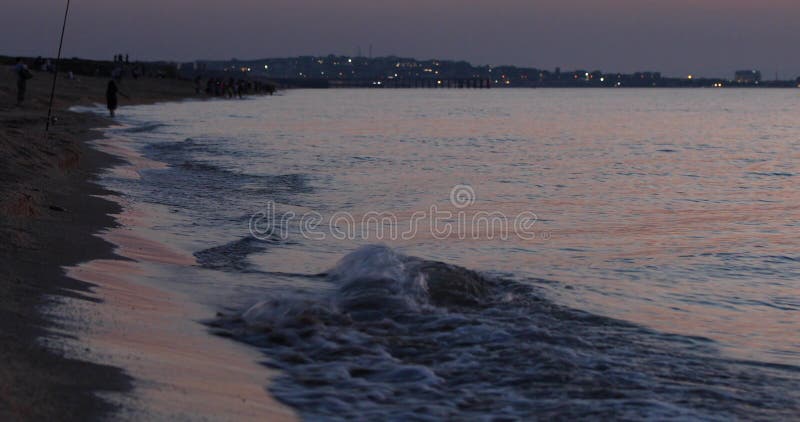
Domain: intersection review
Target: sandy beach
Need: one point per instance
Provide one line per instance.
(50, 210)
(265, 259)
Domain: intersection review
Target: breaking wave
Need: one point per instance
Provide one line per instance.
(399, 337)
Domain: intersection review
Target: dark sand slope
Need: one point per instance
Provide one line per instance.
(47, 218)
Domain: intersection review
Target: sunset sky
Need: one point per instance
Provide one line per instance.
(677, 37)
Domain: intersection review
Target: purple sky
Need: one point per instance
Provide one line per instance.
(677, 37)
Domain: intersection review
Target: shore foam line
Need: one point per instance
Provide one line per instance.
(179, 370)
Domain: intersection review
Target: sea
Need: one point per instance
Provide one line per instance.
(491, 254)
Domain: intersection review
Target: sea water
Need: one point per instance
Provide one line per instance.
(492, 253)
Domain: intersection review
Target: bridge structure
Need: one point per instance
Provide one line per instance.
(433, 83)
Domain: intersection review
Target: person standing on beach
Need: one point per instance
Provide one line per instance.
(23, 74)
(111, 96)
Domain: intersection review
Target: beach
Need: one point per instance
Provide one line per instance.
(265, 259)
(365, 211)
(50, 210)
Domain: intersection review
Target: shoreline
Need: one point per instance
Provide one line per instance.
(51, 206)
(46, 384)
(153, 332)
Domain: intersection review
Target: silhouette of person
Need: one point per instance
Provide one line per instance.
(111, 96)
(23, 74)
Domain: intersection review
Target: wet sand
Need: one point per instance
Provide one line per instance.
(156, 335)
(50, 207)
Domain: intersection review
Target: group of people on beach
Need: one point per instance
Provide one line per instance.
(215, 87)
(119, 58)
(231, 88)
(45, 65)
(23, 74)
(123, 66)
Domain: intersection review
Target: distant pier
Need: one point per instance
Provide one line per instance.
(433, 83)
(419, 83)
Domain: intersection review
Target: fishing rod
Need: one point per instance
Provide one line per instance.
(55, 71)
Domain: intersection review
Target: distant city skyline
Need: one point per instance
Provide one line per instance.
(711, 38)
(405, 72)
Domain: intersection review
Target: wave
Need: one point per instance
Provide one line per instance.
(251, 184)
(171, 151)
(232, 256)
(202, 166)
(147, 127)
(399, 337)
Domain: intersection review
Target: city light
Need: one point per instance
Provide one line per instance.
(366, 71)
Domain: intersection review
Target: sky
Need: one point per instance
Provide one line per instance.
(676, 37)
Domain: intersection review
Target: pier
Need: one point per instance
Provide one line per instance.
(429, 83)
(418, 83)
